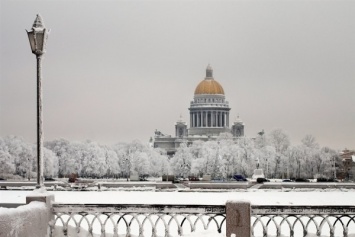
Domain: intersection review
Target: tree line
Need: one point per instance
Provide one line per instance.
(220, 158)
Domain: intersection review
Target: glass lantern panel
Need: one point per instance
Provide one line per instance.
(32, 40)
(40, 40)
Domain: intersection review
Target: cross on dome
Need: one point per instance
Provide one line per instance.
(209, 71)
(238, 120)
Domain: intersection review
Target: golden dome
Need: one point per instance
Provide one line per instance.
(209, 86)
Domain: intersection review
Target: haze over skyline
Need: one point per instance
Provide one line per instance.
(115, 71)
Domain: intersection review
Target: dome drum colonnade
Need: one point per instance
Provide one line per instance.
(209, 119)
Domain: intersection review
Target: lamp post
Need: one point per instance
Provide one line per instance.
(38, 39)
(334, 170)
(127, 163)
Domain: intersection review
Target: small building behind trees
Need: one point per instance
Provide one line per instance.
(348, 159)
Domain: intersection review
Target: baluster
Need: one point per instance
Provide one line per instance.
(115, 231)
(332, 232)
(65, 230)
(102, 230)
(345, 232)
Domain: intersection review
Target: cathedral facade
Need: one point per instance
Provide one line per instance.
(209, 117)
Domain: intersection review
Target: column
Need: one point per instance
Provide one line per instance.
(217, 120)
(224, 119)
(212, 118)
(196, 114)
(201, 119)
(206, 119)
(193, 120)
(227, 119)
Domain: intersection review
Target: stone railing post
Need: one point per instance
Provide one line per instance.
(238, 218)
(41, 195)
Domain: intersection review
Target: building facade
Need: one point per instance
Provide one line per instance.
(209, 117)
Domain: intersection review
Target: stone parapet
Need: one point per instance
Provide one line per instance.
(25, 221)
(238, 218)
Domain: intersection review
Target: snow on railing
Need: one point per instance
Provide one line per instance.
(137, 220)
(179, 220)
(303, 220)
(31, 218)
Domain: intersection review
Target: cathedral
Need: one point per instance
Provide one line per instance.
(209, 116)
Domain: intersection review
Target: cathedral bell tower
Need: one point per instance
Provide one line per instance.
(238, 128)
(180, 128)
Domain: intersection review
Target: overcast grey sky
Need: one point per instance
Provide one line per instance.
(117, 70)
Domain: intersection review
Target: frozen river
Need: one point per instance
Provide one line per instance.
(256, 197)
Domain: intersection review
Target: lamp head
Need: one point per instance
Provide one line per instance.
(38, 36)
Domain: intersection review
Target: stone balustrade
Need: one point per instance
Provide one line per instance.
(235, 218)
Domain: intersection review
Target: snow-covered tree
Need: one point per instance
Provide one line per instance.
(228, 159)
(195, 148)
(94, 160)
(140, 163)
(67, 154)
(50, 163)
(310, 142)
(182, 161)
(294, 161)
(246, 155)
(7, 164)
(265, 156)
(211, 159)
(280, 141)
(198, 166)
(121, 150)
(221, 158)
(158, 162)
(310, 150)
(21, 154)
(112, 162)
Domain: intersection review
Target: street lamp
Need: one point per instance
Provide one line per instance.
(38, 39)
